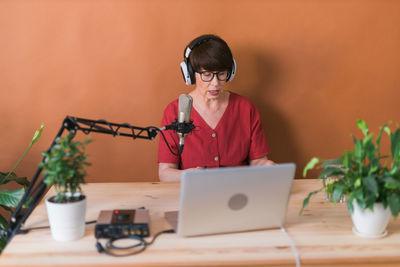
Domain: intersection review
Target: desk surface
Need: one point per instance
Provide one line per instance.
(323, 235)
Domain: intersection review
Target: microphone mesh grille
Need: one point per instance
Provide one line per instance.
(185, 106)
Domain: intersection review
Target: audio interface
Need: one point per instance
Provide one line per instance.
(122, 223)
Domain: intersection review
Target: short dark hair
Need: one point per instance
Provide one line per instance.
(213, 54)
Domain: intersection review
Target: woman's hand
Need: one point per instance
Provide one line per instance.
(264, 161)
(169, 172)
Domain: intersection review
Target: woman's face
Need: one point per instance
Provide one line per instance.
(213, 88)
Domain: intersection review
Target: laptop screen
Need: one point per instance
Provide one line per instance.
(233, 199)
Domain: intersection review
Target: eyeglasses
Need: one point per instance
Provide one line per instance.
(208, 76)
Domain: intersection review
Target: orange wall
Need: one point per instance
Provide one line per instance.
(311, 67)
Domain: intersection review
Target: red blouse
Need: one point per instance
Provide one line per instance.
(237, 138)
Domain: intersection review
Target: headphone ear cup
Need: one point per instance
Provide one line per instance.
(233, 72)
(185, 73)
(190, 72)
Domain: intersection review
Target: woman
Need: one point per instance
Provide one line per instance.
(228, 126)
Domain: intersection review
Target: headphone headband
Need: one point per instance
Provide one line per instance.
(190, 47)
(186, 67)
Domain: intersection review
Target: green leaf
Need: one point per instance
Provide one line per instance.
(7, 208)
(37, 134)
(332, 162)
(337, 193)
(362, 126)
(310, 165)
(371, 185)
(362, 203)
(331, 171)
(11, 198)
(307, 199)
(370, 151)
(350, 203)
(358, 150)
(354, 139)
(3, 223)
(21, 181)
(374, 167)
(2, 243)
(387, 130)
(13, 178)
(3, 178)
(394, 170)
(391, 183)
(370, 201)
(347, 159)
(394, 203)
(395, 144)
(378, 139)
(357, 183)
(358, 194)
(368, 138)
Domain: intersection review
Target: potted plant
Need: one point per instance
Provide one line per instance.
(369, 180)
(64, 168)
(9, 199)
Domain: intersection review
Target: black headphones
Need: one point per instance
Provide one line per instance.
(187, 69)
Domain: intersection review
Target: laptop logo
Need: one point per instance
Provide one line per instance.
(237, 201)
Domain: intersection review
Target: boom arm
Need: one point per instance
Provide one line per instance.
(37, 189)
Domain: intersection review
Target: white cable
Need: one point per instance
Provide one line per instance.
(292, 246)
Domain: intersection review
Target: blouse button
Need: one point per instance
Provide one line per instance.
(213, 135)
(216, 158)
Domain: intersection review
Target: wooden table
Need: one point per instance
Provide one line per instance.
(323, 235)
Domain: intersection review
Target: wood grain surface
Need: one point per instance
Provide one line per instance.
(323, 235)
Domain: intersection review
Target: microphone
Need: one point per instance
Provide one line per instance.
(182, 124)
(184, 112)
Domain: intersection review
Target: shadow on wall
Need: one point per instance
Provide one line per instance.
(261, 78)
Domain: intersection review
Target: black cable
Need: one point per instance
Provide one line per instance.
(140, 246)
(25, 231)
(165, 139)
(110, 242)
(169, 231)
(110, 247)
(166, 142)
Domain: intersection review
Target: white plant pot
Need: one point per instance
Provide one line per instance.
(370, 224)
(67, 220)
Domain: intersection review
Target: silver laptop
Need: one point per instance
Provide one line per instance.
(233, 199)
